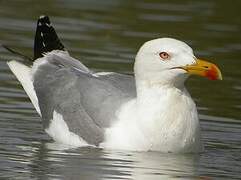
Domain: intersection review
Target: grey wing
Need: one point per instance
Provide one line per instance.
(87, 102)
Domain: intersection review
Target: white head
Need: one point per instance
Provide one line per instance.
(157, 60)
(168, 61)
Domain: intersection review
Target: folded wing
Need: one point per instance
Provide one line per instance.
(87, 102)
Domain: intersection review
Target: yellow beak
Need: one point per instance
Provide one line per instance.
(204, 68)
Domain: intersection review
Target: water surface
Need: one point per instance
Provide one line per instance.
(106, 35)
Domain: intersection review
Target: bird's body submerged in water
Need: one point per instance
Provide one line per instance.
(150, 111)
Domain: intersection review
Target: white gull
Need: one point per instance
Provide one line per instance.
(151, 111)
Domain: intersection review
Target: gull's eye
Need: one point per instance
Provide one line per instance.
(164, 55)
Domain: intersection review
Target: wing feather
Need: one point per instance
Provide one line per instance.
(87, 102)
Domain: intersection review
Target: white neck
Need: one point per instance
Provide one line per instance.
(144, 86)
(168, 111)
(161, 118)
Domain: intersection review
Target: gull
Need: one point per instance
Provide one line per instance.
(150, 111)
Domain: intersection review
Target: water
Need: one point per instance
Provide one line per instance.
(106, 36)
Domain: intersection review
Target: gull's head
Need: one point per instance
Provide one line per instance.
(170, 61)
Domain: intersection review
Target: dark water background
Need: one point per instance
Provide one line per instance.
(105, 35)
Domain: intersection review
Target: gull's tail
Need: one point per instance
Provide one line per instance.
(46, 38)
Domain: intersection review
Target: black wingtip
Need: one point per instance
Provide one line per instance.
(46, 38)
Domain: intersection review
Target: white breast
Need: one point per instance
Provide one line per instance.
(161, 120)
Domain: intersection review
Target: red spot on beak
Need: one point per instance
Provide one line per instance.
(213, 73)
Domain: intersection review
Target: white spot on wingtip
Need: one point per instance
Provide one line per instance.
(41, 17)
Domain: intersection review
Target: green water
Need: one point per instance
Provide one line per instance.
(105, 35)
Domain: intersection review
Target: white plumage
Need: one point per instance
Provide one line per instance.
(161, 117)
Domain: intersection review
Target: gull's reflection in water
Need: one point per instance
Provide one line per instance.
(156, 165)
(62, 162)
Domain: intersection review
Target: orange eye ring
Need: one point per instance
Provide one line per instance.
(164, 55)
